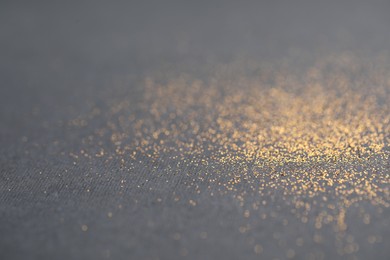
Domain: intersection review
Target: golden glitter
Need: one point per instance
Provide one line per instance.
(371, 239)
(242, 229)
(299, 241)
(192, 203)
(290, 253)
(258, 249)
(341, 220)
(84, 228)
(318, 138)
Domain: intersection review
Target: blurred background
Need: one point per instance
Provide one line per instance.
(50, 49)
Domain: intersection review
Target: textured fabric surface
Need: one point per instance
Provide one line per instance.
(150, 130)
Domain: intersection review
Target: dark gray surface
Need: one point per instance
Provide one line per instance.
(60, 61)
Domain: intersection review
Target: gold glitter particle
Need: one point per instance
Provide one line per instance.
(242, 229)
(318, 239)
(366, 219)
(258, 249)
(290, 253)
(371, 239)
(299, 241)
(341, 220)
(84, 228)
(192, 203)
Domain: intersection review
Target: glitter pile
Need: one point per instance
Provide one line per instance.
(319, 138)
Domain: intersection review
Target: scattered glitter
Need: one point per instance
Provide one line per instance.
(317, 139)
